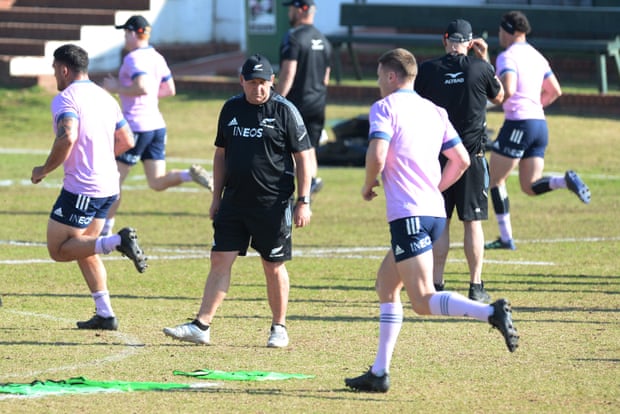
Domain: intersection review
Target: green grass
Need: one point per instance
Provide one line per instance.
(563, 281)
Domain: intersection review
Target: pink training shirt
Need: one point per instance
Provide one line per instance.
(142, 112)
(91, 167)
(531, 69)
(417, 131)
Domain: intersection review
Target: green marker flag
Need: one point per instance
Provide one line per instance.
(240, 375)
(81, 385)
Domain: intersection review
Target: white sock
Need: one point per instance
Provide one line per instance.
(108, 226)
(107, 244)
(505, 226)
(453, 304)
(102, 304)
(557, 182)
(390, 322)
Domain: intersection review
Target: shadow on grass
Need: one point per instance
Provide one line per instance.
(299, 393)
(56, 343)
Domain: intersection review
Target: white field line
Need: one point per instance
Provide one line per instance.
(373, 252)
(28, 151)
(209, 162)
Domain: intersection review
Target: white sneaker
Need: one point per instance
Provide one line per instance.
(278, 337)
(190, 333)
(201, 176)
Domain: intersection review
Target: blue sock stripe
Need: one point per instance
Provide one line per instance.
(391, 318)
(443, 304)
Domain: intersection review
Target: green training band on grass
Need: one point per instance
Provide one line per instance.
(240, 375)
(81, 385)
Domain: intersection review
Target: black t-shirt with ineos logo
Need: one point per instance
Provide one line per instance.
(259, 141)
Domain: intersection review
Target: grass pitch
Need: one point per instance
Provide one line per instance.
(563, 282)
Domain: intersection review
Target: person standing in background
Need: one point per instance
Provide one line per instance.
(462, 84)
(530, 86)
(305, 55)
(144, 78)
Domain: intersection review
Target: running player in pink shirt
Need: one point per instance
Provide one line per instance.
(407, 134)
(144, 78)
(90, 130)
(529, 87)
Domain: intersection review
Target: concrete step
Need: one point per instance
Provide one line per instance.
(11, 30)
(22, 47)
(87, 4)
(53, 15)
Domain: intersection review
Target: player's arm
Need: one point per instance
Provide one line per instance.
(458, 162)
(480, 48)
(499, 98)
(287, 76)
(551, 90)
(66, 135)
(167, 87)
(123, 139)
(509, 82)
(302, 172)
(302, 211)
(219, 171)
(375, 162)
(219, 174)
(138, 86)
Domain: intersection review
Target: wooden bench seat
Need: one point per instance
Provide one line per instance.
(563, 29)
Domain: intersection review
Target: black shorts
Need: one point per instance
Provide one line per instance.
(470, 193)
(413, 236)
(314, 125)
(267, 230)
(526, 138)
(77, 210)
(150, 145)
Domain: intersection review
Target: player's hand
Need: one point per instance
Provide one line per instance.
(368, 192)
(302, 215)
(110, 84)
(481, 48)
(37, 175)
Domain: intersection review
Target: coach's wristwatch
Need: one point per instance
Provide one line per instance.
(303, 199)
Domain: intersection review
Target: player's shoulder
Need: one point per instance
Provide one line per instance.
(279, 100)
(288, 109)
(233, 102)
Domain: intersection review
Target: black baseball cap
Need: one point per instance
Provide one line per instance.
(135, 23)
(459, 30)
(257, 66)
(299, 3)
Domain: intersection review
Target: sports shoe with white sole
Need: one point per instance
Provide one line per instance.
(201, 176)
(501, 319)
(369, 382)
(129, 247)
(278, 337)
(577, 186)
(189, 332)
